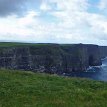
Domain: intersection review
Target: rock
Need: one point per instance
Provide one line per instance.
(50, 58)
(103, 51)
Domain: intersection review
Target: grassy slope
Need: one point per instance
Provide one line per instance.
(21, 89)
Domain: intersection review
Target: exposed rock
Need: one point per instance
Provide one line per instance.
(103, 51)
(50, 58)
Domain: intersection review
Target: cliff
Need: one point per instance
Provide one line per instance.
(50, 58)
(103, 51)
(84, 56)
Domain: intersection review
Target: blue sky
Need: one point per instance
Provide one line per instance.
(54, 21)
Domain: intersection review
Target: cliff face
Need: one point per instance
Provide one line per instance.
(94, 55)
(80, 57)
(46, 58)
(103, 51)
(50, 58)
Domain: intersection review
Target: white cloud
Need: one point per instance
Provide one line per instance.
(74, 24)
(44, 6)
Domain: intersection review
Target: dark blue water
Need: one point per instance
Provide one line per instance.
(96, 73)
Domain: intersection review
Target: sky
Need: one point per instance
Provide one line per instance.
(54, 21)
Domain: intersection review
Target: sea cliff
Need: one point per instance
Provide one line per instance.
(51, 58)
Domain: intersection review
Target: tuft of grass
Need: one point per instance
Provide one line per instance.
(28, 89)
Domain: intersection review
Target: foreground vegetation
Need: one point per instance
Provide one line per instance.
(27, 89)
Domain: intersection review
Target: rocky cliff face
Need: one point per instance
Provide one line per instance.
(50, 58)
(103, 51)
(80, 57)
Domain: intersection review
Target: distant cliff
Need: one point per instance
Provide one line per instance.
(103, 51)
(50, 58)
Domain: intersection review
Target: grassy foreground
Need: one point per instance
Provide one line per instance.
(21, 89)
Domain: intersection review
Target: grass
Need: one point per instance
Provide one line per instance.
(27, 89)
(16, 44)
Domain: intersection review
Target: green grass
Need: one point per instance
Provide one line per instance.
(16, 44)
(27, 89)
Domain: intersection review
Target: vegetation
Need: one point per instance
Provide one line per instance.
(16, 44)
(28, 89)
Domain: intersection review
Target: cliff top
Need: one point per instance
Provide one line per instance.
(16, 44)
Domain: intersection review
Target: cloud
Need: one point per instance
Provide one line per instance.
(18, 7)
(44, 6)
(8, 7)
(58, 21)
